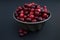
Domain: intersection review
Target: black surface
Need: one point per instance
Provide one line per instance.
(9, 27)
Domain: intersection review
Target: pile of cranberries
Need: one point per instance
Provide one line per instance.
(22, 32)
(31, 12)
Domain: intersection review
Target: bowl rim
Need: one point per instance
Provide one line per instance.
(33, 22)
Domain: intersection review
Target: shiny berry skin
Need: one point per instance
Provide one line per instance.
(29, 5)
(34, 20)
(45, 15)
(33, 3)
(22, 19)
(37, 13)
(40, 19)
(26, 12)
(28, 19)
(39, 10)
(31, 13)
(20, 8)
(38, 6)
(22, 12)
(31, 16)
(25, 16)
(26, 9)
(45, 9)
(32, 9)
(21, 15)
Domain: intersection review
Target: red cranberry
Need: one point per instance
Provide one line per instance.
(39, 10)
(22, 11)
(33, 6)
(25, 16)
(26, 12)
(40, 18)
(45, 15)
(26, 9)
(33, 3)
(28, 19)
(22, 19)
(38, 6)
(21, 34)
(18, 17)
(32, 9)
(21, 15)
(37, 13)
(20, 30)
(31, 13)
(34, 20)
(25, 5)
(45, 7)
(45, 10)
(31, 16)
(29, 5)
(20, 8)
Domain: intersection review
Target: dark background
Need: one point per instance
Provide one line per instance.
(9, 27)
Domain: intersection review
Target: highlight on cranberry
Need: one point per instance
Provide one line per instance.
(31, 12)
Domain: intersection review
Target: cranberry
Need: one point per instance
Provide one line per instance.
(33, 3)
(18, 17)
(25, 16)
(22, 19)
(32, 9)
(28, 19)
(31, 16)
(45, 9)
(40, 18)
(39, 10)
(33, 6)
(21, 15)
(37, 13)
(29, 5)
(25, 9)
(31, 13)
(26, 12)
(25, 5)
(45, 15)
(20, 30)
(34, 20)
(20, 8)
(21, 34)
(38, 6)
(22, 11)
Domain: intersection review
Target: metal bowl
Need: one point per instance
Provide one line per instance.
(32, 26)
